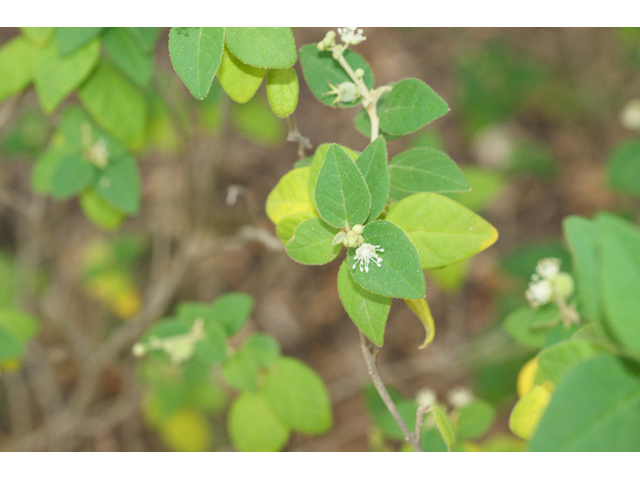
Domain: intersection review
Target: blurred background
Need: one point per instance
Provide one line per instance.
(535, 117)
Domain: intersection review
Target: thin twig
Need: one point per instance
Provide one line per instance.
(295, 136)
(369, 352)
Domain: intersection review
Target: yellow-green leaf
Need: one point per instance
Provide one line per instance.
(421, 308)
(282, 91)
(239, 80)
(526, 414)
(16, 66)
(290, 196)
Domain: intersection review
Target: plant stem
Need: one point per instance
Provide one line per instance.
(370, 352)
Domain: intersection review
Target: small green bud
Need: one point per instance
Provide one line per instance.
(321, 46)
(358, 229)
(563, 285)
(359, 72)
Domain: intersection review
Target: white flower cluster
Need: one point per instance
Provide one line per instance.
(351, 35)
(366, 253)
(460, 396)
(542, 286)
(180, 348)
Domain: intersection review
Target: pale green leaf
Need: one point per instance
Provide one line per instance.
(21, 325)
(127, 55)
(282, 91)
(238, 80)
(445, 426)
(70, 39)
(38, 35)
(99, 211)
(56, 77)
(290, 196)
(442, 230)
(311, 243)
(16, 66)
(252, 425)
(555, 361)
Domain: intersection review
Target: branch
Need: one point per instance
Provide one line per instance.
(370, 353)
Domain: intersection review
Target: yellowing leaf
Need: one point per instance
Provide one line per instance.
(421, 308)
(290, 196)
(282, 91)
(526, 414)
(239, 80)
(187, 431)
(526, 377)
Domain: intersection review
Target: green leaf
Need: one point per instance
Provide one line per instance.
(128, 56)
(411, 105)
(424, 169)
(21, 325)
(56, 77)
(282, 91)
(99, 211)
(623, 169)
(252, 425)
(317, 161)
(311, 243)
(367, 310)
(45, 167)
(117, 105)
(290, 196)
(10, 347)
(373, 166)
(232, 310)
(16, 66)
(73, 174)
(442, 230)
(263, 348)
(321, 70)
(298, 396)
(119, 184)
(213, 348)
(399, 274)
(341, 194)
(264, 47)
(146, 37)
(620, 270)
(70, 39)
(38, 35)
(240, 81)
(446, 428)
(241, 371)
(475, 419)
(581, 234)
(593, 409)
(530, 326)
(555, 361)
(196, 53)
(286, 227)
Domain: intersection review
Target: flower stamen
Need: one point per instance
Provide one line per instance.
(366, 253)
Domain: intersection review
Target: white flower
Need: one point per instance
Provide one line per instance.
(180, 348)
(426, 397)
(351, 35)
(459, 397)
(548, 267)
(630, 115)
(366, 253)
(539, 292)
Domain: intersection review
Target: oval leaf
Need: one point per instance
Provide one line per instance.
(16, 66)
(70, 39)
(623, 169)
(593, 409)
(527, 412)
(445, 427)
(99, 211)
(373, 166)
(298, 396)
(282, 91)
(119, 184)
(399, 274)
(312, 243)
(73, 174)
(442, 230)
(411, 105)
(286, 227)
(128, 56)
(366, 309)
(252, 425)
(265, 47)
(196, 53)
(239, 80)
(290, 196)
(321, 70)
(424, 170)
(341, 194)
